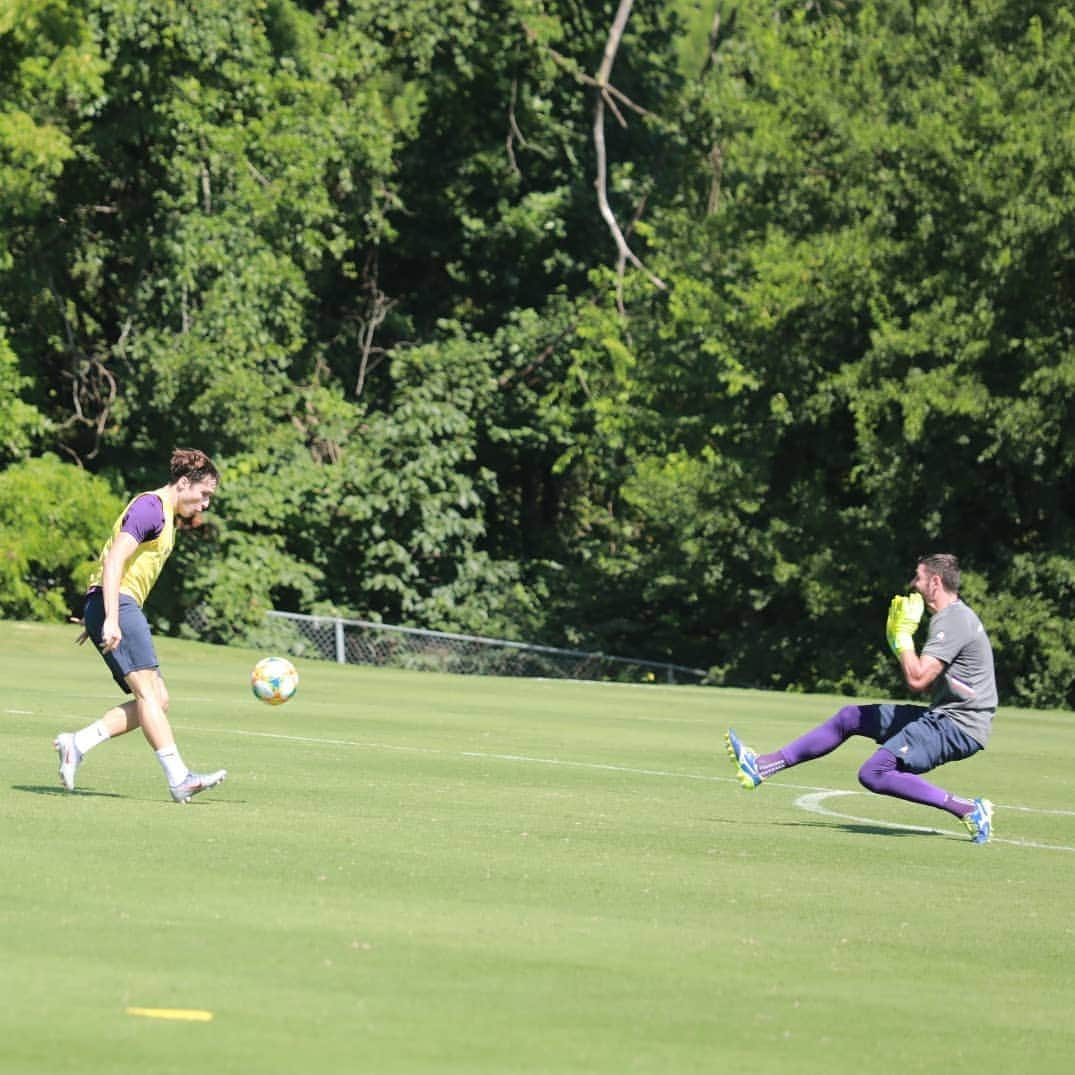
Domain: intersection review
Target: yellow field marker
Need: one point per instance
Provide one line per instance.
(188, 1015)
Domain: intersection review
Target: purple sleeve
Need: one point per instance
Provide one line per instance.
(145, 519)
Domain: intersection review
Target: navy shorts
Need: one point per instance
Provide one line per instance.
(920, 738)
(135, 651)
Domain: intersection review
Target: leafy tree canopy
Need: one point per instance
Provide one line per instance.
(664, 329)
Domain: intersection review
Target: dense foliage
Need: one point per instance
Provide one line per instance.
(355, 251)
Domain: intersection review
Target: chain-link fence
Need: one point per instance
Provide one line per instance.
(362, 642)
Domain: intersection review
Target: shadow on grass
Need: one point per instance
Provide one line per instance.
(855, 828)
(48, 789)
(82, 793)
(869, 830)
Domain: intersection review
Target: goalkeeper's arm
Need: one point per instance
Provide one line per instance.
(919, 672)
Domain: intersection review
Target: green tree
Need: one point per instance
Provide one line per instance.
(50, 82)
(355, 251)
(54, 518)
(20, 422)
(868, 342)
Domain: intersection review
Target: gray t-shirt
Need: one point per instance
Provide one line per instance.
(966, 690)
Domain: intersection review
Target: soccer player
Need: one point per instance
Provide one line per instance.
(956, 661)
(130, 563)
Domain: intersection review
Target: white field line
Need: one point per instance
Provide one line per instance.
(810, 802)
(813, 804)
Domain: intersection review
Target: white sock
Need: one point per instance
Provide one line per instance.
(92, 735)
(172, 764)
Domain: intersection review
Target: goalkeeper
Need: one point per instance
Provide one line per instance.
(956, 662)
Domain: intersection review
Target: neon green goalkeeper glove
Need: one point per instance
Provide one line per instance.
(904, 615)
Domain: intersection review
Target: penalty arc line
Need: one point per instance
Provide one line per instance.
(812, 803)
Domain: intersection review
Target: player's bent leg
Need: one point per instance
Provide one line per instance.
(880, 773)
(922, 741)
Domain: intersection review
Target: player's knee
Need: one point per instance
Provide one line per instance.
(148, 687)
(849, 720)
(876, 768)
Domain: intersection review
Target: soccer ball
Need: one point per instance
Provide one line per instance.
(274, 680)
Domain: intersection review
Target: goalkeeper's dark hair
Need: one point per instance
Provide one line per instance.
(946, 565)
(193, 465)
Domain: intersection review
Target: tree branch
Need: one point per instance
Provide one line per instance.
(379, 306)
(624, 252)
(607, 94)
(513, 130)
(579, 75)
(717, 33)
(207, 188)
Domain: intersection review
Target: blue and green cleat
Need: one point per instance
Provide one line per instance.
(979, 821)
(744, 759)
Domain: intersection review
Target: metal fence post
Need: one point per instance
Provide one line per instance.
(341, 652)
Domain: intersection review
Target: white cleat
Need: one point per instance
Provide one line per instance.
(195, 783)
(70, 758)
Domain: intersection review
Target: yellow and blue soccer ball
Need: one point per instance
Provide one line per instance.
(274, 680)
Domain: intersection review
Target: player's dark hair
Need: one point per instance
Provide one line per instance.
(193, 465)
(946, 565)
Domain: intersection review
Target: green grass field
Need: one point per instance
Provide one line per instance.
(410, 872)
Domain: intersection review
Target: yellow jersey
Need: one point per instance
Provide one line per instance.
(144, 566)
